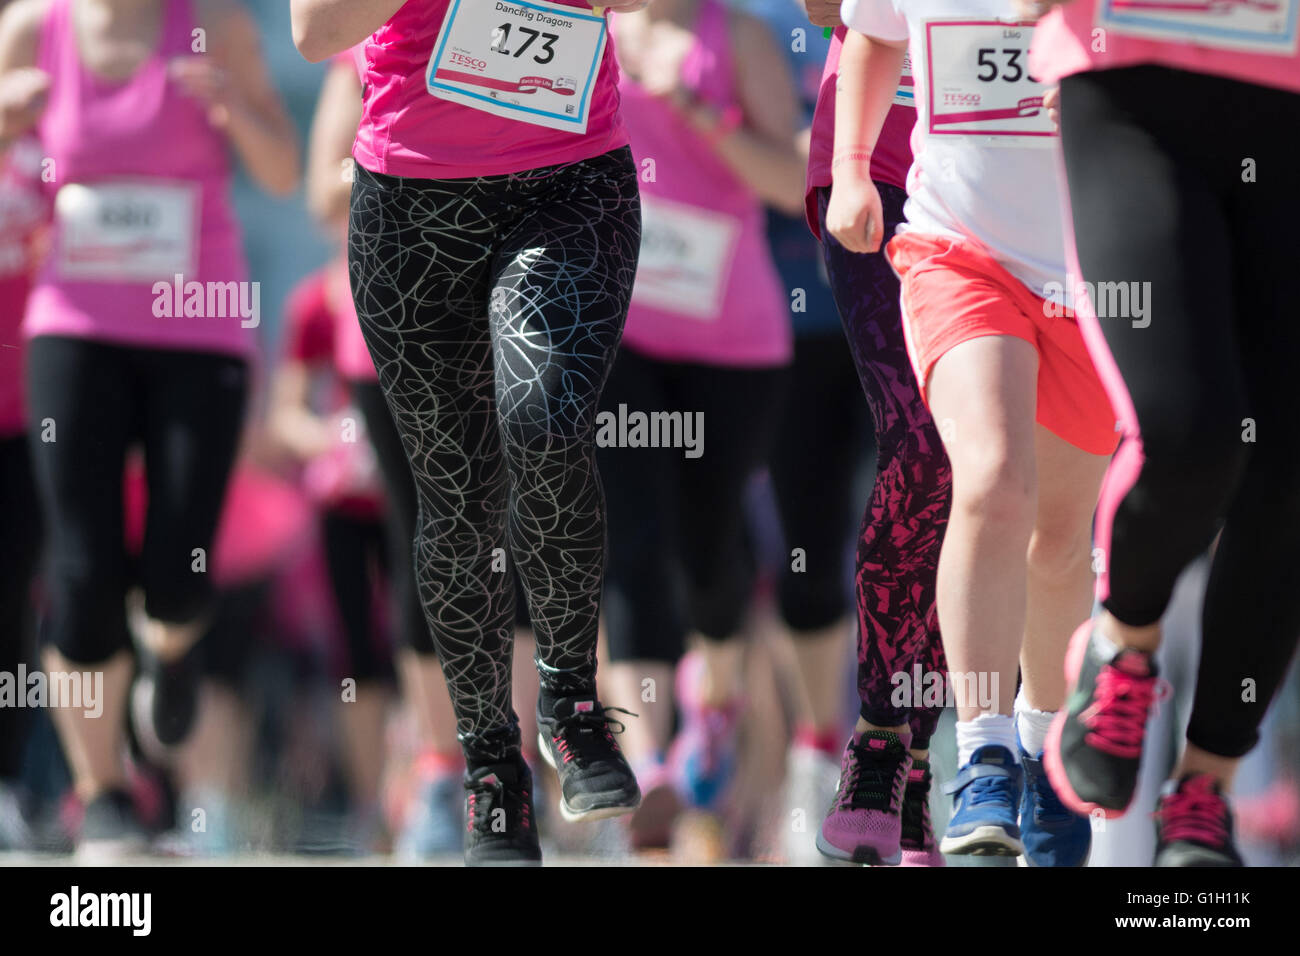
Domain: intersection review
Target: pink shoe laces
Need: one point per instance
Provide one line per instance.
(1117, 717)
(1196, 812)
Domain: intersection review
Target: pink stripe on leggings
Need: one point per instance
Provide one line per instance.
(1127, 463)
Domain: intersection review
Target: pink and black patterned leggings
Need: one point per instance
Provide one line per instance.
(902, 529)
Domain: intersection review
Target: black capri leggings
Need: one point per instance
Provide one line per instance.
(824, 437)
(679, 559)
(492, 308)
(20, 541)
(356, 555)
(88, 402)
(1202, 225)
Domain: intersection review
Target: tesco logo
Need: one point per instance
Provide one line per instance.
(461, 59)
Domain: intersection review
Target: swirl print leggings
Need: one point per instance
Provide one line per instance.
(902, 529)
(492, 308)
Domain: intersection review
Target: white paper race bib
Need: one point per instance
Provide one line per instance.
(686, 255)
(1265, 26)
(905, 95)
(127, 232)
(978, 83)
(526, 60)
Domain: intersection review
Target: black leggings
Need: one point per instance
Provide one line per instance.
(679, 560)
(356, 555)
(1207, 218)
(20, 539)
(824, 437)
(492, 308)
(87, 403)
(402, 511)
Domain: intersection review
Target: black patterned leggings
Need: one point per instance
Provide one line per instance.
(493, 308)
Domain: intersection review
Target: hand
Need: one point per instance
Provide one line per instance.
(854, 216)
(204, 80)
(623, 6)
(1052, 103)
(823, 13)
(23, 95)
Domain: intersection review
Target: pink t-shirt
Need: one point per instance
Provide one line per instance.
(142, 180)
(707, 290)
(893, 153)
(24, 208)
(1254, 43)
(407, 131)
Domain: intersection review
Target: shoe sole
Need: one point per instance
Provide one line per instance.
(1052, 761)
(983, 841)
(862, 856)
(1023, 860)
(603, 812)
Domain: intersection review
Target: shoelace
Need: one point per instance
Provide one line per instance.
(1050, 807)
(576, 745)
(1117, 718)
(1196, 813)
(496, 790)
(990, 790)
(916, 812)
(873, 781)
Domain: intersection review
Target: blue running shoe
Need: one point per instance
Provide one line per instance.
(985, 805)
(437, 824)
(1052, 834)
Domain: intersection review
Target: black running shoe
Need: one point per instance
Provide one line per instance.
(110, 829)
(577, 741)
(165, 698)
(1094, 748)
(499, 825)
(1194, 824)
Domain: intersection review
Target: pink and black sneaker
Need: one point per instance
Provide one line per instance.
(865, 823)
(499, 821)
(919, 846)
(577, 739)
(1194, 824)
(1094, 748)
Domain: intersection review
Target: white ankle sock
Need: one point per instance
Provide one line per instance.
(1032, 724)
(998, 729)
(1103, 646)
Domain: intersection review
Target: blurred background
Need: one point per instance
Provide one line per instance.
(276, 767)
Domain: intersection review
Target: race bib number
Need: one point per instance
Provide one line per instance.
(127, 232)
(979, 83)
(905, 95)
(526, 60)
(686, 256)
(1264, 26)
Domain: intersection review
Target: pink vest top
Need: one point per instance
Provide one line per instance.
(142, 181)
(406, 131)
(24, 208)
(706, 290)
